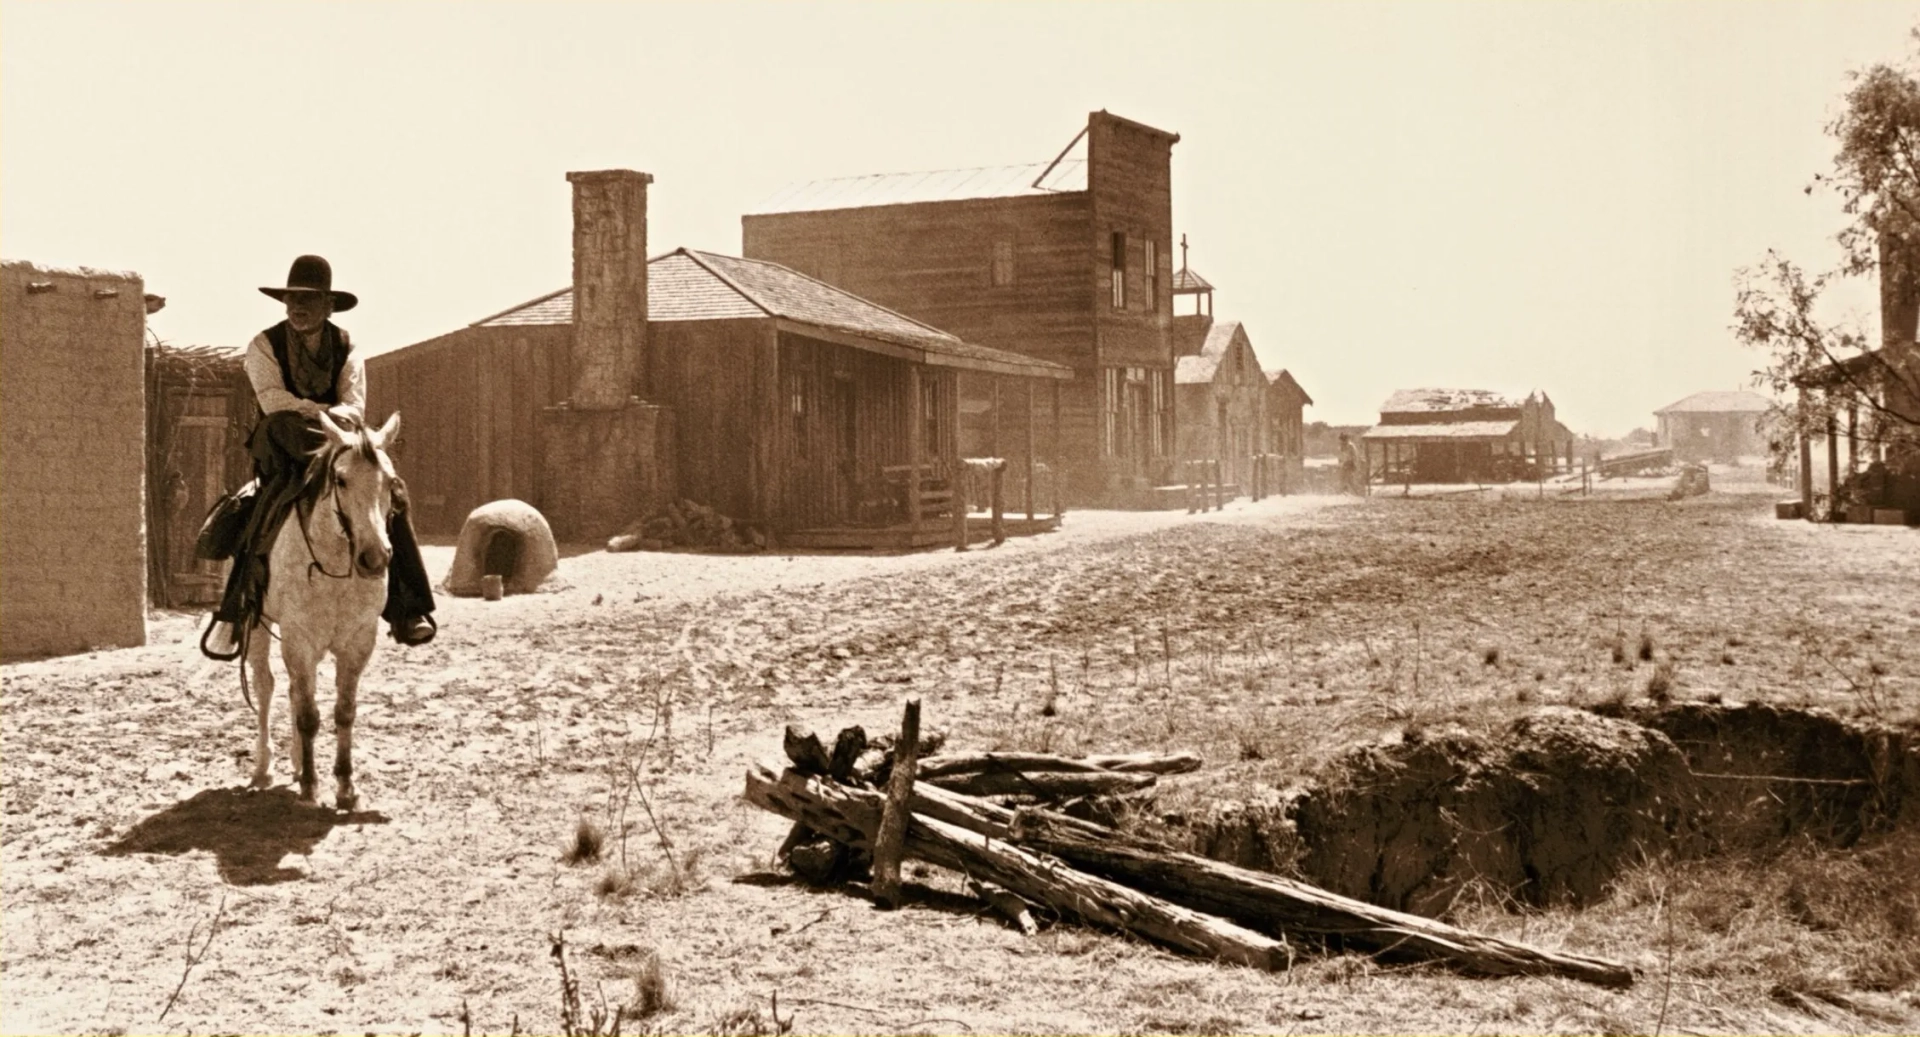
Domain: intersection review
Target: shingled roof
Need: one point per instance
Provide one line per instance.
(1440, 401)
(1201, 367)
(688, 284)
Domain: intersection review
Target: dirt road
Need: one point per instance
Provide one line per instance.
(1264, 637)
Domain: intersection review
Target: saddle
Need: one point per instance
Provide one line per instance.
(239, 526)
(226, 524)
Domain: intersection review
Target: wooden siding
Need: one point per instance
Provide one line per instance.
(198, 418)
(842, 419)
(469, 404)
(719, 378)
(1129, 183)
(934, 262)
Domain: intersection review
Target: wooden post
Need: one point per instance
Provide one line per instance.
(998, 501)
(1219, 490)
(993, 430)
(1806, 462)
(1058, 469)
(1853, 439)
(891, 840)
(1030, 465)
(1834, 514)
(915, 430)
(959, 505)
(1187, 474)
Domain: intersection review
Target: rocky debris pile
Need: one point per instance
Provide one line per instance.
(686, 523)
(1692, 482)
(862, 807)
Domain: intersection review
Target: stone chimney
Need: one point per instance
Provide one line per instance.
(609, 287)
(607, 457)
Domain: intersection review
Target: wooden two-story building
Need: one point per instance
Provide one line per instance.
(1065, 260)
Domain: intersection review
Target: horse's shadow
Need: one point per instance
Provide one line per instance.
(248, 831)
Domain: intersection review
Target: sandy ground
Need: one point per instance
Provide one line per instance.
(1290, 628)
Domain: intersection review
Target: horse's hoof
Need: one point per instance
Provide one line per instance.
(346, 804)
(307, 796)
(260, 781)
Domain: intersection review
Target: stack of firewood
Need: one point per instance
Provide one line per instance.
(864, 806)
(686, 523)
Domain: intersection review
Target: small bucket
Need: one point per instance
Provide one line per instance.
(493, 587)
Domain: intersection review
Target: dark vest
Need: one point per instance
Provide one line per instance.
(334, 347)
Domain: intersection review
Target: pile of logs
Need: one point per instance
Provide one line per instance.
(865, 806)
(686, 523)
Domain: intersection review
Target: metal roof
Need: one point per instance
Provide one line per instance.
(1444, 430)
(1741, 402)
(687, 284)
(1065, 174)
(1439, 401)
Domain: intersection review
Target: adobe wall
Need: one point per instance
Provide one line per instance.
(72, 469)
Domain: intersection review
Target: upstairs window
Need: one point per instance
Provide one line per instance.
(1118, 272)
(1002, 263)
(1153, 274)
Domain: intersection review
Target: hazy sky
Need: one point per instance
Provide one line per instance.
(1501, 195)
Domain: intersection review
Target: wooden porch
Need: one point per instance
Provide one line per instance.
(929, 507)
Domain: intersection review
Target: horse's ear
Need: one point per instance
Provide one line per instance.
(335, 434)
(385, 433)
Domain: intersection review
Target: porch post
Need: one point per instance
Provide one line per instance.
(1853, 439)
(1030, 464)
(1059, 470)
(915, 431)
(1806, 461)
(1833, 469)
(998, 502)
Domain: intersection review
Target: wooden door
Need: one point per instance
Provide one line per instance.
(194, 474)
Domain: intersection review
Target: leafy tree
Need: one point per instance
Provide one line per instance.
(1876, 173)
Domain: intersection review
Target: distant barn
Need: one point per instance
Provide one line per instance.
(1713, 426)
(1465, 435)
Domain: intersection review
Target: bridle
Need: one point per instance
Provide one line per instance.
(324, 465)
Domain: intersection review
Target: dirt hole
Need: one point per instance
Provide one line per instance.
(1550, 809)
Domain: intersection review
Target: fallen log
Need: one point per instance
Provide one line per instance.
(1044, 784)
(1262, 901)
(852, 816)
(973, 763)
(804, 749)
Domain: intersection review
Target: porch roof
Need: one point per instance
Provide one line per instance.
(1452, 430)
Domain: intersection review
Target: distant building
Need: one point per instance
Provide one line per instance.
(1286, 424)
(1465, 435)
(1220, 403)
(739, 384)
(1713, 426)
(1067, 261)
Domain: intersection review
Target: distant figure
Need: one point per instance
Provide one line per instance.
(1349, 466)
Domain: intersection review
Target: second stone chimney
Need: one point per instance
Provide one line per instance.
(609, 287)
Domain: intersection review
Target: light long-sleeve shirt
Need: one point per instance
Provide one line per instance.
(271, 390)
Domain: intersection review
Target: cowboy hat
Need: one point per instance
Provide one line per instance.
(313, 274)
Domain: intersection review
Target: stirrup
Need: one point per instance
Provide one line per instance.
(432, 629)
(239, 642)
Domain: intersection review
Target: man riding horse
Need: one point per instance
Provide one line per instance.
(301, 368)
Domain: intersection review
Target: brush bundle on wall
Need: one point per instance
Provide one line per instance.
(864, 805)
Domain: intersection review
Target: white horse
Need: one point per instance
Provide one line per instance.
(326, 585)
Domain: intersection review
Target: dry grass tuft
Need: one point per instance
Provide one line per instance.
(1491, 656)
(1660, 685)
(1646, 648)
(588, 841)
(651, 993)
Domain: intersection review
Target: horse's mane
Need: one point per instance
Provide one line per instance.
(313, 483)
